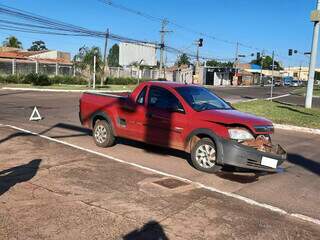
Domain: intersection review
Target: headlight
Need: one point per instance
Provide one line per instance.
(240, 134)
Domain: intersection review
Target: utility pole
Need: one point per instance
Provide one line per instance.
(299, 72)
(199, 43)
(235, 64)
(315, 17)
(94, 72)
(105, 57)
(261, 75)
(198, 55)
(236, 57)
(163, 31)
(272, 76)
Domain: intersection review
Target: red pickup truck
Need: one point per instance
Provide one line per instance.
(190, 118)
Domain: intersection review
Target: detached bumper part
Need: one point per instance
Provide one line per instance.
(243, 156)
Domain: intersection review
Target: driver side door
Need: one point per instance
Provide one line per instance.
(166, 119)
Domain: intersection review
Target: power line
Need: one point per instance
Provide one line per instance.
(158, 19)
(56, 27)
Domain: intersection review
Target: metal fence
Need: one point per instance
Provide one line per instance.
(132, 72)
(152, 74)
(24, 67)
(11, 67)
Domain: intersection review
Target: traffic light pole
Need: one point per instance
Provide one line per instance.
(261, 75)
(313, 59)
(272, 78)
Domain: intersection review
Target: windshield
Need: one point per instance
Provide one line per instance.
(201, 99)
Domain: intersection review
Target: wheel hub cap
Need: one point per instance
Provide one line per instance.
(206, 156)
(100, 134)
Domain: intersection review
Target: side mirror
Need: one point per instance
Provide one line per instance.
(129, 105)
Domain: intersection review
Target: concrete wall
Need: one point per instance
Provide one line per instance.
(130, 53)
(53, 55)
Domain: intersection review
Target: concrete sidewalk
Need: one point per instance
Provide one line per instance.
(52, 191)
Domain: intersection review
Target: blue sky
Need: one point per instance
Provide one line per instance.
(271, 25)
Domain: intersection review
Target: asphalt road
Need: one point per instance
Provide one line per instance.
(296, 189)
(236, 94)
(52, 191)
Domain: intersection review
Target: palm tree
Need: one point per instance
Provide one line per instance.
(84, 59)
(12, 41)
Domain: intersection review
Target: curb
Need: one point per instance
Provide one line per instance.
(280, 96)
(297, 129)
(62, 90)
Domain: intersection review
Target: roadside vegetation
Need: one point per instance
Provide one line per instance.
(282, 113)
(66, 82)
(302, 91)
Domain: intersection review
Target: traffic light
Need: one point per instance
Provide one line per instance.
(200, 42)
(258, 55)
(290, 52)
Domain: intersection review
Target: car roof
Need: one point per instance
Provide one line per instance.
(170, 84)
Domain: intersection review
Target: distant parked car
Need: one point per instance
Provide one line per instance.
(295, 83)
(286, 81)
(277, 83)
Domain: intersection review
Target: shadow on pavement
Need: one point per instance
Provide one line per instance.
(66, 126)
(150, 231)
(295, 110)
(13, 135)
(14, 93)
(23, 173)
(308, 164)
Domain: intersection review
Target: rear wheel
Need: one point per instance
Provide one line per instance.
(204, 156)
(102, 134)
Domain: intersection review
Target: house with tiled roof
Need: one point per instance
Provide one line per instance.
(52, 62)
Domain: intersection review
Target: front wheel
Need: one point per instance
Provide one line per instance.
(102, 134)
(204, 156)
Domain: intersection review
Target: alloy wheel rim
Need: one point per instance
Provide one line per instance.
(100, 134)
(206, 156)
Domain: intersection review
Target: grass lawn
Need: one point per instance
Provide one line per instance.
(282, 113)
(74, 87)
(302, 91)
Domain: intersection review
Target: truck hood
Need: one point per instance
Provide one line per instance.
(229, 117)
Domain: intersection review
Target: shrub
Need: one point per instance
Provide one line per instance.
(37, 80)
(29, 78)
(11, 79)
(68, 80)
(124, 81)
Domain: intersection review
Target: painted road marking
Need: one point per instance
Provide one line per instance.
(200, 185)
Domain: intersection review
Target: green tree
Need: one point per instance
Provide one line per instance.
(84, 59)
(183, 59)
(38, 46)
(267, 63)
(215, 63)
(12, 41)
(113, 56)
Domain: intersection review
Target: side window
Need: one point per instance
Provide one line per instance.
(163, 99)
(142, 96)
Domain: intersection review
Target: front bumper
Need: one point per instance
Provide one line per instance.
(239, 155)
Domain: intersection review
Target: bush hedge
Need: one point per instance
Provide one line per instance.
(123, 81)
(68, 80)
(44, 80)
(41, 80)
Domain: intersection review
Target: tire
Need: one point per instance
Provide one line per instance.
(102, 134)
(204, 156)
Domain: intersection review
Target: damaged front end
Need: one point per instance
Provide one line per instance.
(256, 153)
